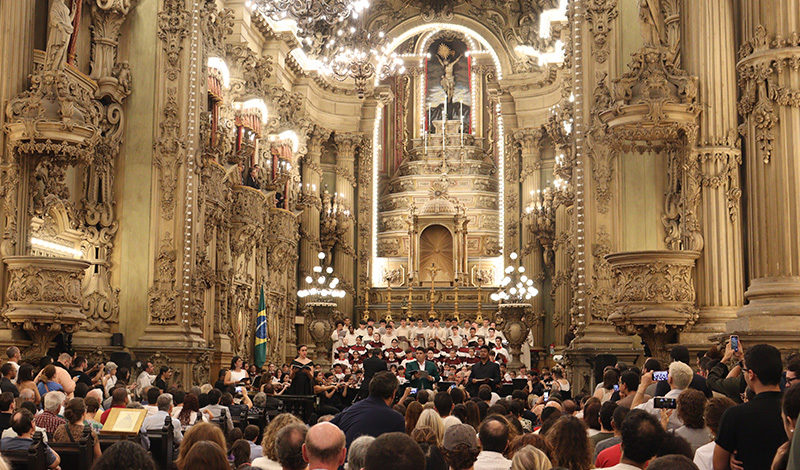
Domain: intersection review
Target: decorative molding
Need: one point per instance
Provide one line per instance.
(173, 28)
(601, 14)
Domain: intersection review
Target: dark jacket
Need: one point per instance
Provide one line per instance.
(372, 365)
(369, 417)
(731, 388)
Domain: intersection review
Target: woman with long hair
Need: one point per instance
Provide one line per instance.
(605, 391)
(236, 373)
(530, 458)
(473, 414)
(72, 430)
(570, 442)
(560, 384)
(270, 459)
(207, 455)
(430, 418)
(240, 452)
(190, 413)
(325, 389)
(25, 381)
(193, 437)
(413, 411)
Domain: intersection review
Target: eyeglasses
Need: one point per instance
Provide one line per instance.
(791, 379)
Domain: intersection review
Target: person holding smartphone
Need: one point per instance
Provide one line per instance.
(421, 373)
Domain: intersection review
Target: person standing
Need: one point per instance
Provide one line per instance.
(372, 365)
(754, 430)
(421, 373)
(485, 371)
(14, 356)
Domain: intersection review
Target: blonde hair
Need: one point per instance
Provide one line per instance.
(271, 431)
(530, 458)
(430, 418)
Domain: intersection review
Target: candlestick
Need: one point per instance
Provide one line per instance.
(444, 125)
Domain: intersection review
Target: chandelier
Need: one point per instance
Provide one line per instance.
(308, 12)
(321, 285)
(516, 287)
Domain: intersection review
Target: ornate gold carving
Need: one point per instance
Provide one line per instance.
(600, 14)
(168, 156)
(173, 27)
(163, 293)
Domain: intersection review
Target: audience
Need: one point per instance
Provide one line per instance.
(450, 429)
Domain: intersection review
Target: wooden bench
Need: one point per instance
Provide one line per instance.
(162, 444)
(77, 455)
(32, 459)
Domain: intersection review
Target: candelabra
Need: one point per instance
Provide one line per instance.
(515, 310)
(320, 309)
(541, 218)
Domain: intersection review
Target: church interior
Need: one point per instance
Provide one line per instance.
(596, 177)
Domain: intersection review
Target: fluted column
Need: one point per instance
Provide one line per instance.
(709, 54)
(16, 62)
(561, 278)
(769, 90)
(309, 219)
(344, 255)
(530, 181)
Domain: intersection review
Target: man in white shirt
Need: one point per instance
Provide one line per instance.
(389, 336)
(679, 377)
(440, 334)
(483, 330)
(145, 378)
(642, 435)
(402, 331)
(159, 418)
(215, 409)
(493, 435)
(14, 357)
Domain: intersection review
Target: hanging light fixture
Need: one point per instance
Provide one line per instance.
(321, 285)
(515, 287)
(307, 12)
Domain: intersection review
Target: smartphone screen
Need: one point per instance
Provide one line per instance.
(239, 389)
(735, 343)
(546, 395)
(664, 402)
(413, 390)
(660, 375)
(616, 387)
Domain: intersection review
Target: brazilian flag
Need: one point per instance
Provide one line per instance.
(261, 331)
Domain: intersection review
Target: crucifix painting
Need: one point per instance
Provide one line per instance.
(448, 86)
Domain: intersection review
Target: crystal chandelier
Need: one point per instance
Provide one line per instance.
(321, 285)
(516, 287)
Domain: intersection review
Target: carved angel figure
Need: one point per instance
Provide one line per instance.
(654, 29)
(59, 30)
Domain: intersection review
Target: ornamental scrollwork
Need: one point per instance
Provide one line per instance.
(173, 27)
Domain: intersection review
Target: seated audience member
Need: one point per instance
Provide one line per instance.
(570, 442)
(460, 447)
(493, 436)
(151, 395)
(714, 409)
(9, 432)
(357, 453)
(156, 421)
(198, 433)
(372, 416)
(119, 399)
(289, 446)
(269, 461)
(691, 407)
(616, 423)
(72, 430)
(754, 430)
(8, 376)
(189, 413)
(530, 458)
(22, 424)
(125, 455)
(672, 462)
(628, 384)
(324, 447)
(6, 410)
(239, 454)
(92, 408)
(48, 418)
(251, 433)
(394, 451)
(215, 410)
(606, 427)
(679, 378)
(430, 419)
(207, 455)
(642, 435)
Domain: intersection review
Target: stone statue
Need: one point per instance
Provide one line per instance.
(59, 30)
(654, 29)
(448, 80)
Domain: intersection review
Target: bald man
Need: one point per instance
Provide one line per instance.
(324, 447)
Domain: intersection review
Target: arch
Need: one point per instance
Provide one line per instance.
(436, 247)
